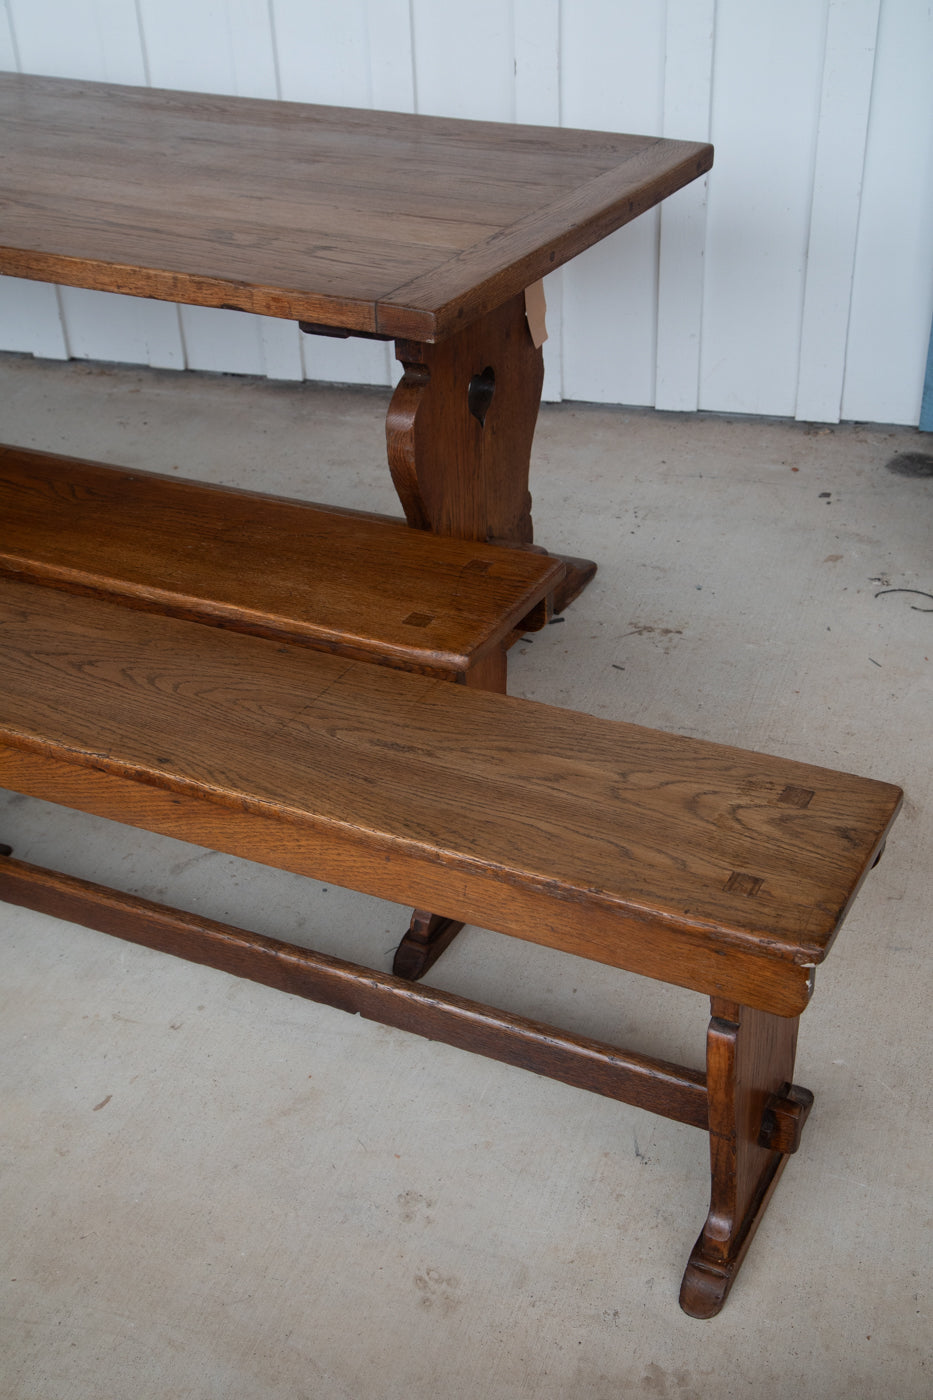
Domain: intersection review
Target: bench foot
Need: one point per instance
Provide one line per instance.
(579, 573)
(427, 937)
(755, 1119)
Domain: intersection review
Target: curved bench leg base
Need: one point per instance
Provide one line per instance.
(712, 1269)
(427, 937)
(755, 1118)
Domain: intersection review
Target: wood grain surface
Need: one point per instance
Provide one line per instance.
(703, 865)
(384, 222)
(360, 585)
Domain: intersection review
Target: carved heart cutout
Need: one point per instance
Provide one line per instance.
(479, 395)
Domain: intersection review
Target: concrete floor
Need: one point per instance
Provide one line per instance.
(210, 1189)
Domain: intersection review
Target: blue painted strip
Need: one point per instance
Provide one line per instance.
(926, 404)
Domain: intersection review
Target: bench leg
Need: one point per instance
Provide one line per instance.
(427, 937)
(756, 1115)
(429, 934)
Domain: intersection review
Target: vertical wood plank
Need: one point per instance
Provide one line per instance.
(108, 326)
(280, 343)
(837, 188)
(892, 293)
(926, 404)
(464, 59)
(536, 27)
(391, 61)
(766, 83)
(612, 66)
(323, 52)
(688, 76)
(94, 39)
(30, 319)
(210, 46)
(536, 45)
(9, 59)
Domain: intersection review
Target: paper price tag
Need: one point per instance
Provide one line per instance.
(536, 313)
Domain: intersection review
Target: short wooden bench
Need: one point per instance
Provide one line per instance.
(720, 870)
(355, 584)
(360, 585)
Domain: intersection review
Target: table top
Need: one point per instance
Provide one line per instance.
(373, 222)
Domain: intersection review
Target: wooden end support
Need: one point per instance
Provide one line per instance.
(755, 1119)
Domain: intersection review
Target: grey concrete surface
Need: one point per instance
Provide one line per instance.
(210, 1189)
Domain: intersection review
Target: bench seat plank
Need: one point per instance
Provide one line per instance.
(364, 586)
(702, 865)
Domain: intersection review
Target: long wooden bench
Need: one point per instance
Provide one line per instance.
(716, 869)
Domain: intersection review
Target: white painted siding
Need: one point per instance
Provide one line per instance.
(797, 279)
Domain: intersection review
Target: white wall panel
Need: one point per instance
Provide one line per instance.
(612, 65)
(94, 39)
(106, 326)
(209, 46)
(391, 61)
(323, 53)
(766, 83)
(464, 59)
(837, 189)
(30, 319)
(8, 57)
(892, 299)
(688, 78)
(536, 46)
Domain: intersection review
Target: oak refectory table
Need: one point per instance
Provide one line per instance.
(423, 230)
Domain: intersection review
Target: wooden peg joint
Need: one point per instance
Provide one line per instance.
(783, 1119)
